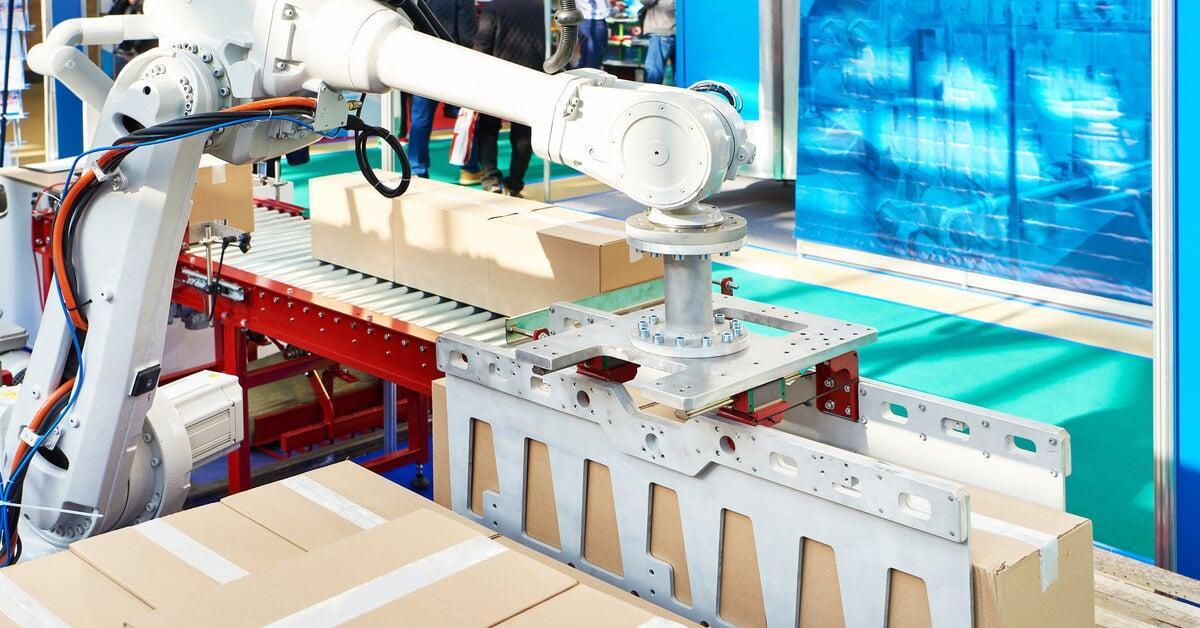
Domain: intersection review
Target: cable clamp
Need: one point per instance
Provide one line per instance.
(101, 175)
(30, 437)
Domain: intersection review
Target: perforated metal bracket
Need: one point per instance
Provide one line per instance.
(689, 384)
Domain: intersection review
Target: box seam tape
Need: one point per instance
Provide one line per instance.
(393, 585)
(333, 501)
(1046, 544)
(187, 549)
(22, 608)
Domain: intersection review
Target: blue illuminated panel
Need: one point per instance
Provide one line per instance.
(1008, 137)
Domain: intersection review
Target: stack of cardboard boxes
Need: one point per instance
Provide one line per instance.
(337, 545)
(503, 254)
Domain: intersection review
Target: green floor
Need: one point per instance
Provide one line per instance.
(1103, 398)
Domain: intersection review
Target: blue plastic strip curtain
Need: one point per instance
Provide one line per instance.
(1187, 288)
(1005, 137)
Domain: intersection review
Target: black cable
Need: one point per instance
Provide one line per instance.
(8, 37)
(568, 18)
(364, 132)
(215, 287)
(421, 21)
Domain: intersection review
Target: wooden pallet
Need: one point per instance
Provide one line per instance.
(1130, 593)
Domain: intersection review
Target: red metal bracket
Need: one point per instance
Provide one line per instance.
(6, 377)
(764, 405)
(540, 333)
(727, 286)
(837, 386)
(608, 369)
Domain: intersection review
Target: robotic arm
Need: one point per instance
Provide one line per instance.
(666, 148)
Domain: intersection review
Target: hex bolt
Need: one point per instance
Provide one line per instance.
(644, 332)
(659, 338)
(224, 91)
(706, 341)
(643, 325)
(207, 57)
(719, 318)
(829, 405)
(727, 337)
(218, 72)
(829, 383)
(680, 341)
(289, 12)
(737, 331)
(653, 318)
(154, 462)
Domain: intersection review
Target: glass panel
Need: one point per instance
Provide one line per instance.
(1009, 137)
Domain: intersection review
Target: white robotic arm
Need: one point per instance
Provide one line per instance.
(666, 148)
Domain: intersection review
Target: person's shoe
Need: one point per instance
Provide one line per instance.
(511, 192)
(466, 177)
(495, 188)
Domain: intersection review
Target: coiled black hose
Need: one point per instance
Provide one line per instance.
(568, 18)
(363, 132)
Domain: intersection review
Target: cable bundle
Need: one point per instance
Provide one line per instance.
(78, 197)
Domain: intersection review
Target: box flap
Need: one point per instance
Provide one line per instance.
(424, 555)
(327, 504)
(66, 587)
(171, 558)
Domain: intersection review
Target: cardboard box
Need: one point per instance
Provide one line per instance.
(591, 582)
(352, 225)
(328, 504)
(62, 586)
(540, 257)
(175, 557)
(503, 254)
(1006, 565)
(223, 192)
(585, 607)
(423, 569)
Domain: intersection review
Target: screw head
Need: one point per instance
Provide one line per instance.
(829, 405)
(706, 341)
(921, 407)
(680, 341)
(924, 437)
(987, 454)
(829, 383)
(719, 318)
(727, 337)
(1053, 473)
(281, 65)
(1053, 441)
(659, 338)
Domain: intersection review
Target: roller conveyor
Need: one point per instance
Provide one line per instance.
(281, 251)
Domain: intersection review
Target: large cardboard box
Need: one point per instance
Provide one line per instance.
(172, 558)
(352, 224)
(423, 569)
(1030, 565)
(504, 254)
(589, 581)
(540, 257)
(223, 193)
(63, 587)
(328, 504)
(585, 607)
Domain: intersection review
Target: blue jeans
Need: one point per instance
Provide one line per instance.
(423, 110)
(660, 52)
(593, 43)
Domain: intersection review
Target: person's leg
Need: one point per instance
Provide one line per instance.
(423, 110)
(593, 36)
(669, 56)
(520, 137)
(655, 60)
(487, 134)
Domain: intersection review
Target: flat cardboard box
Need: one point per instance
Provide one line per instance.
(1006, 570)
(309, 525)
(159, 574)
(72, 590)
(223, 193)
(398, 573)
(352, 224)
